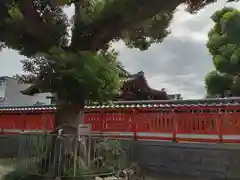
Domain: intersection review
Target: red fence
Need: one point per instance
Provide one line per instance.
(14, 122)
(172, 123)
(182, 123)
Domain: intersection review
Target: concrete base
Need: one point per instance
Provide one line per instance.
(203, 161)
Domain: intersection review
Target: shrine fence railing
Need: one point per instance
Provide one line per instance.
(182, 123)
(200, 123)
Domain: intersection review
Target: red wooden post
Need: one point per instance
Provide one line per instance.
(23, 121)
(134, 124)
(174, 130)
(43, 122)
(219, 123)
(102, 120)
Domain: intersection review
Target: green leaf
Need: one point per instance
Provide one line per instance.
(63, 2)
(15, 13)
(224, 46)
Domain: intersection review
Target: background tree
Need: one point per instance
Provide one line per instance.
(78, 66)
(224, 46)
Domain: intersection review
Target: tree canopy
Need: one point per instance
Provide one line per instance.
(72, 57)
(224, 46)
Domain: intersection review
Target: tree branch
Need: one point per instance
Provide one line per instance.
(108, 30)
(34, 23)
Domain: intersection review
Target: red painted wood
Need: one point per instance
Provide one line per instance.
(201, 120)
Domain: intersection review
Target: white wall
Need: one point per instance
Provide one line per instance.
(15, 98)
(2, 89)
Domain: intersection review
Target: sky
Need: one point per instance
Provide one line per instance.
(179, 64)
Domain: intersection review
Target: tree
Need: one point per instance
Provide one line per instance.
(218, 84)
(80, 66)
(224, 46)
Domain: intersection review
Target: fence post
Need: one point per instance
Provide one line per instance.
(101, 121)
(44, 120)
(134, 128)
(174, 133)
(75, 153)
(23, 121)
(220, 126)
(89, 149)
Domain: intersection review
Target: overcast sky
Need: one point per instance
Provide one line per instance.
(179, 64)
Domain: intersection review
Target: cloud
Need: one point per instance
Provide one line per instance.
(179, 64)
(10, 62)
(182, 61)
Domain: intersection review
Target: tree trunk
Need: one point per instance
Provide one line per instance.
(62, 148)
(68, 117)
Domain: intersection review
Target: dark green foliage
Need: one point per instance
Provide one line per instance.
(224, 46)
(92, 76)
(22, 172)
(21, 175)
(36, 27)
(220, 84)
(111, 153)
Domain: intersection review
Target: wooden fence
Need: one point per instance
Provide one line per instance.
(209, 123)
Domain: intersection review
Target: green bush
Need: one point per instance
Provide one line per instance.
(110, 152)
(21, 174)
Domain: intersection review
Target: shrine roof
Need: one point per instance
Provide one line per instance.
(136, 104)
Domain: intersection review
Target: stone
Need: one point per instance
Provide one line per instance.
(98, 178)
(111, 178)
(214, 175)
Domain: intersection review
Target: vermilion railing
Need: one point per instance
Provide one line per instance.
(219, 123)
(185, 123)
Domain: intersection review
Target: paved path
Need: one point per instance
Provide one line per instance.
(166, 176)
(163, 177)
(4, 170)
(5, 167)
